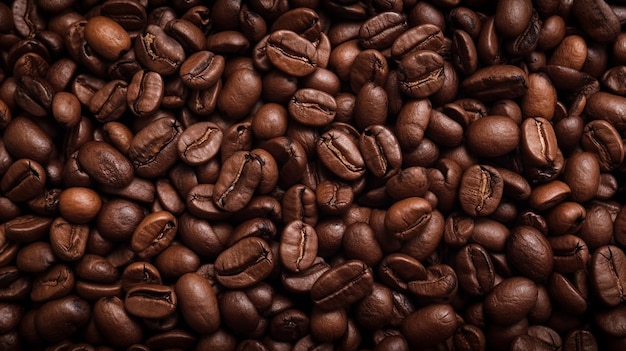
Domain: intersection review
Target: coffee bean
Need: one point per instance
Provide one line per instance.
(150, 301)
(291, 53)
(480, 190)
(244, 264)
(331, 290)
(105, 164)
(107, 37)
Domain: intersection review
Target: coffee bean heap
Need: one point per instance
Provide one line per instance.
(312, 175)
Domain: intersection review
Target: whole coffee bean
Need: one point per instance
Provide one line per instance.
(202, 70)
(380, 31)
(197, 303)
(340, 153)
(145, 92)
(244, 264)
(597, 19)
(58, 319)
(495, 82)
(475, 270)
(492, 136)
(430, 325)
(510, 301)
(291, 53)
(298, 246)
(380, 147)
(421, 73)
(577, 165)
(512, 17)
(412, 122)
(65, 109)
(110, 102)
(539, 144)
(332, 291)
(114, 323)
(199, 143)
(480, 190)
(23, 180)
(34, 95)
(240, 93)
(441, 285)
(602, 139)
(159, 52)
(407, 218)
(54, 283)
(138, 273)
(304, 21)
(154, 233)
(312, 107)
(131, 16)
(239, 178)
(369, 66)
(68, 240)
(36, 257)
(154, 148)
(269, 121)
(105, 164)
(289, 325)
(530, 253)
(175, 261)
(187, 34)
(607, 274)
(150, 301)
(79, 205)
(423, 37)
(107, 37)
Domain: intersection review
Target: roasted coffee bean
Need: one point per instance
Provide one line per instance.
(480, 190)
(298, 246)
(495, 82)
(602, 139)
(332, 291)
(201, 70)
(199, 143)
(312, 107)
(438, 324)
(406, 218)
(105, 164)
(198, 303)
(159, 52)
(145, 92)
(150, 301)
(530, 253)
(340, 153)
(107, 37)
(244, 264)
(153, 234)
(380, 147)
(421, 73)
(23, 180)
(58, 319)
(154, 149)
(492, 136)
(607, 274)
(114, 323)
(291, 53)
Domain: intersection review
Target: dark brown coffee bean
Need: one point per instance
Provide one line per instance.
(187, 34)
(501, 309)
(407, 218)
(159, 52)
(198, 303)
(244, 264)
(105, 164)
(68, 240)
(492, 136)
(145, 93)
(380, 31)
(332, 291)
(422, 37)
(138, 273)
(602, 139)
(131, 16)
(421, 73)
(153, 234)
(475, 270)
(201, 70)
(199, 143)
(54, 283)
(154, 148)
(291, 53)
(34, 95)
(480, 190)
(110, 102)
(240, 93)
(58, 319)
(495, 82)
(512, 17)
(312, 107)
(298, 246)
(597, 19)
(438, 324)
(607, 274)
(23, 180)
(150, 301)
(107, 37)
(115, 324)
(380, 147)
(340, 153)
(368, 66)
(530, 253)
(23, 138)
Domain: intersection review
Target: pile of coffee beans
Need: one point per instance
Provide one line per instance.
(312, 175)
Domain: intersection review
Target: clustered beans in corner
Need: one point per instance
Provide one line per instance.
(322, 175)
